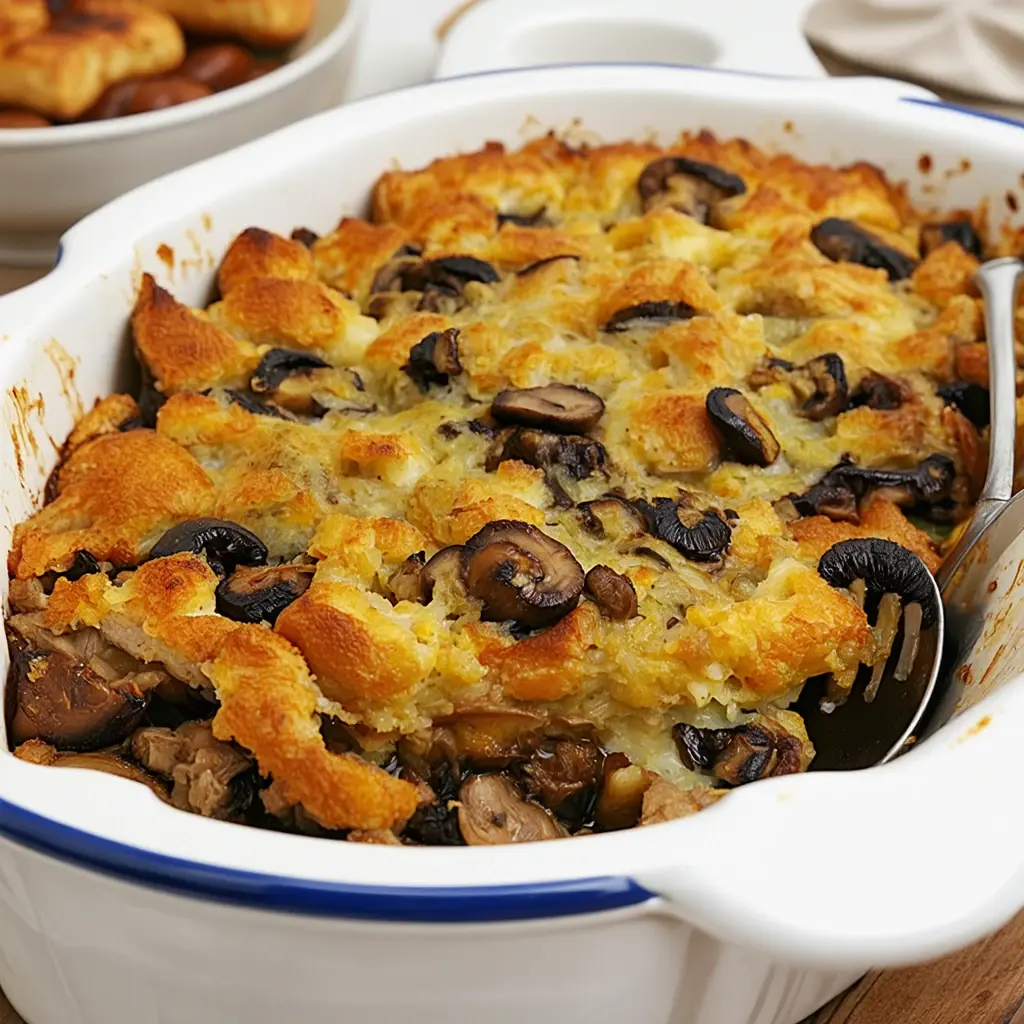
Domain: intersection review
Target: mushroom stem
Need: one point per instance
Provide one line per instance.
(913, 616)
(885, 631)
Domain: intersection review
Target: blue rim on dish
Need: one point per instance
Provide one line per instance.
(421, 904)
(450, 905)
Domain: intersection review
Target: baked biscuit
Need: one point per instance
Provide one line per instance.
(262, 22)
(62, 66)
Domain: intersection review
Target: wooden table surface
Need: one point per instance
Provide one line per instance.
(981, 985)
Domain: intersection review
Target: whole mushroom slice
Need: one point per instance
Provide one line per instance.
(434, 360)
(842, 241)
(492, 813)
(611, 591)
(260, 593)
(612, 517)
(225, 544)
(960, 231)
(521, 574)
(563, 408)
(279, 364)
(971, 399)
(648, 314)
(701, 535)
(690, 186)
(931, 481)
(61, 699)
(743, 434)
(758, 749)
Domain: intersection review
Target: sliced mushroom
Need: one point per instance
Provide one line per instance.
(573, 456)
(209, 777)
(971, 399)
(225, 544)
(648, 314)
(521, 574)
(771, 370)
(885, 567)
(563, 408)
(257, 406)
(842, 241)
(612, 517)
(529, 268)
(306, 236)
(687, 185)
(434, 360)
(960, 231)
(38, 752)
(492, 812)
(84, 564)
(756, 750)
(930, 482)
(743, 434)
(611, 591)
(878, 392)
(260, 593)
(565, 778)
(442, 569)
(836, 501)
(70, 698)
(281, 363)
(822, 384)
(448, 275)
(405, 581)
(701, 535)
(620, 801)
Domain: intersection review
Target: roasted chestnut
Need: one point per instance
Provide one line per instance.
(648, 314)
(225, 544)
(687, 185)
(560, 407)
(521, 574)
(842, 241)
(744, 435)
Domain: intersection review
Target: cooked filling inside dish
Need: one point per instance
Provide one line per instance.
(524, 508)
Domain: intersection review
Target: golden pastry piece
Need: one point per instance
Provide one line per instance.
(63, 67)
(21, 18)
(263, 22)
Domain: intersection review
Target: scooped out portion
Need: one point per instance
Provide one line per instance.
(521, 509)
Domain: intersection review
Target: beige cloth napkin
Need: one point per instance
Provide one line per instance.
(973, 47)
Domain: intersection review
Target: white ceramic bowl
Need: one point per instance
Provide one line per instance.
(52, 177)
(115, 908)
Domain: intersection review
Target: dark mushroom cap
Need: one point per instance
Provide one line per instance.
(687, 185)
(405, 581)
(877, 391)
(279, 364)
(960, 231)
(434, 360)
(931, 481)
(564, 408)
(257, 406)
(84, 564)
(971, 399)
(578, 457)
(739, 755)
(225, 544)
(306, 236)
(744, 436)
(611, 591)
(771, 370)
(827, 376)
(564, 776)
(842, 241)
(261, 593)
(449, 274)
(648, 314)
(521, 574)
(836, 501)
(612, 517)
(56, 698)
(886, 568)
(701, 535)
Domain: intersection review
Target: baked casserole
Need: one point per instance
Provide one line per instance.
(524, 508)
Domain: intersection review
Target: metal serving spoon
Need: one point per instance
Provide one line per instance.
(858, 733)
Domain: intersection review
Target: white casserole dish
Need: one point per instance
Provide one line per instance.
(52, 177)
(117, 909)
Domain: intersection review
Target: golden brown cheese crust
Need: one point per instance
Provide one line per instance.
(61, 65)
(357, 478)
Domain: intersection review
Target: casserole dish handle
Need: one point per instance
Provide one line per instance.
(843, 900)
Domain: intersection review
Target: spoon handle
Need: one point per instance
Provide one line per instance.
(998, 281)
